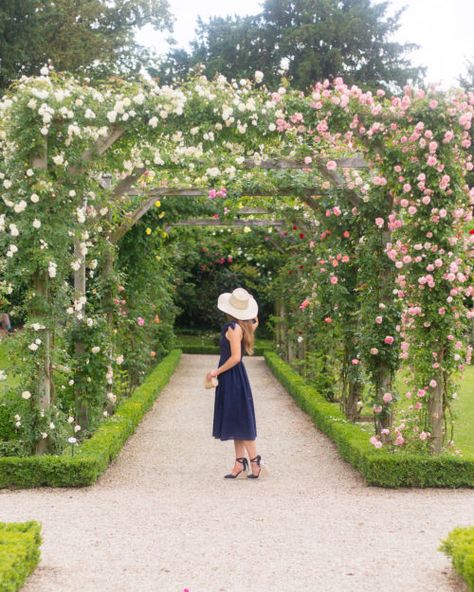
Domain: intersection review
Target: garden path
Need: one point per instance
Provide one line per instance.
(162, 518)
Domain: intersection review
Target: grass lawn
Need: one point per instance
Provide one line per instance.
(5, 364)
(464, 413)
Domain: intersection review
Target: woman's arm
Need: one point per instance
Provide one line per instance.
(235, 338)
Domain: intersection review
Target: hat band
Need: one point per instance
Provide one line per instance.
(240, 304)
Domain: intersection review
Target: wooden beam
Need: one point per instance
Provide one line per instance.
(230, 223)
(355, 162)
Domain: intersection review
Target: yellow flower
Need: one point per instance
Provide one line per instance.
(161, 215)
(148, 230)
(157, 203)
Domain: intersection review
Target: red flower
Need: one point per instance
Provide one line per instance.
(295, 227)
(471, 231)
(301, 235)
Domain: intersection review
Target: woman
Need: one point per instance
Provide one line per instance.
(234, 414)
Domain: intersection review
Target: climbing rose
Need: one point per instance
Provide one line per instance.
(304, 304)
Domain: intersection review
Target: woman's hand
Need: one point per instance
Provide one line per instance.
(211, 374)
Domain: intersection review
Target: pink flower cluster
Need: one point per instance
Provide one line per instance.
(213, 193)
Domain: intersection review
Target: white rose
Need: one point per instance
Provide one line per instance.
(14, 230)
(26, 395)
(153, 122)
(34, 198)
(258, 76)
(72, 440)
(95, 349)
(36, 223)
(20, 206)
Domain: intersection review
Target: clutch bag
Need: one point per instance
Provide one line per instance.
(210, 384)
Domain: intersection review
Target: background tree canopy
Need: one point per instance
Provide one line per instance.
(317, 39)
(94, 37)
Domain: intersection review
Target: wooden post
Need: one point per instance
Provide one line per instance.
(40, 284)
(436, 410)
(81, 405)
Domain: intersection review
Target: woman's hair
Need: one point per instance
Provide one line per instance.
(248, 338)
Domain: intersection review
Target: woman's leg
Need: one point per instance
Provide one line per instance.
(239, 452)
(251, 447)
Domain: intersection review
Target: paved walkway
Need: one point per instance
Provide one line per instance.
(162, 518)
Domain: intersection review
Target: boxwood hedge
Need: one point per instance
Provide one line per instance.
(93, 456)
(379, 467)
(19, 553)
(459, 545)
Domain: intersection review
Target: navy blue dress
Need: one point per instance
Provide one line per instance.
(234, 414)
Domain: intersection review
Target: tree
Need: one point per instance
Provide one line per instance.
(467, 80)
(316, 39)
(90, 37)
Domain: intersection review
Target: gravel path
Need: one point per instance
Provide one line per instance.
(162, 518)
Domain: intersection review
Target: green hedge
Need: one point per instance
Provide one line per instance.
(460, 547)
(92, 457)
(379, 467)
(208, 344)
(213, 350)
(19, 553)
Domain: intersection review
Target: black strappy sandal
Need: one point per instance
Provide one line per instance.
(258, 460)
(243, 461)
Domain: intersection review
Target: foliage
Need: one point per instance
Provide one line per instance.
(91, 37)
(382, 467)
(459, 545)
(92, 457)
(19, 553)
(209, 344)
(384, 247)
(216, 261)
(315, 39)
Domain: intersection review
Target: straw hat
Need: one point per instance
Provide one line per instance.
(239, 304)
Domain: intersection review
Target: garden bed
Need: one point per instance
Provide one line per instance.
(379, 467)
(460, 547)
(19, 553)
(92, 457)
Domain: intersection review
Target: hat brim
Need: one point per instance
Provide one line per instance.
(223, 304)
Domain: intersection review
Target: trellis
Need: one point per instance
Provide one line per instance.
(262, 115)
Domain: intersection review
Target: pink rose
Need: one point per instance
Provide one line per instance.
(304, 304)
(355, 361)
(389, 340)
(333, 280)
(140, 321)
(374, 351)
(377, 409)
(387, 397)
(379, 320)
(331, 165)
(399, 440)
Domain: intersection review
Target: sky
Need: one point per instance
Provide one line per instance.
(442, 28)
